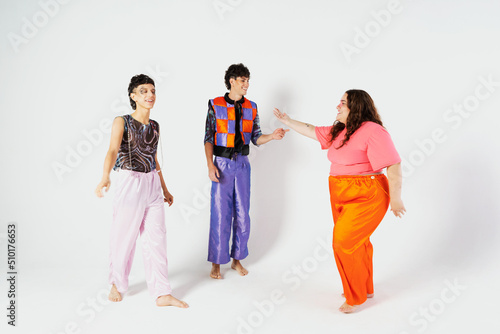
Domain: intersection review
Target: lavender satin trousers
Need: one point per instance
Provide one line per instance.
(138, 207)
(230, 207)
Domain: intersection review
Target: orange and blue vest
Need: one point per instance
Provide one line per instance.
(225, 121)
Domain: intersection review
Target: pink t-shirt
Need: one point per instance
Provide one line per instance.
(369, 150)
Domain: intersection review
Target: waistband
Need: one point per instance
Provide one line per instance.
(136, 173)
(229, 152)
(359, 177)
(234, 157)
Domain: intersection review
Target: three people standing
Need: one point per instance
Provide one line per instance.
(359, 148)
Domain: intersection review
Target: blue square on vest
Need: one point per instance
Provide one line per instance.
(247, 113)
(220, 112)
(221, 139)
(231, 126)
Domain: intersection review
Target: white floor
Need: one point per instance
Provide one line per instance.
(302, 296)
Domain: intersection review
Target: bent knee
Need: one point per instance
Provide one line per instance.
(343, 244)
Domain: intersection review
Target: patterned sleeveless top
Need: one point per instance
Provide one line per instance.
(143, 144)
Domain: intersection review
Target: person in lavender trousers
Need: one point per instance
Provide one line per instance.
(232, 123)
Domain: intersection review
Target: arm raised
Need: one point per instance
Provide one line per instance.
(278, 134)
(304, 129)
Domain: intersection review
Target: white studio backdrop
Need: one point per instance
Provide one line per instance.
(431, 68)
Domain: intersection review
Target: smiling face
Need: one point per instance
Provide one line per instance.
(342, 109)
(144, 96)
(239, 86)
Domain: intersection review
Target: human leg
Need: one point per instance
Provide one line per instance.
(221, 212)
(357, 213)
(154, 239)
(154, 245)
(128, 213)
(241, 222)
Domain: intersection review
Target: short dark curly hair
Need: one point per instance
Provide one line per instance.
(137, 80)
(234, 71)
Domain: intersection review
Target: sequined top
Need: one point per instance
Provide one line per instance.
(143, 144)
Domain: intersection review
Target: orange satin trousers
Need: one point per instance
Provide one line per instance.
(359, 203)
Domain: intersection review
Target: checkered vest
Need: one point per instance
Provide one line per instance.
(226, 119)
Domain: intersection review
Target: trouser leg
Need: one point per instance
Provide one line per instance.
(128, 213)
(358, 205)
(369, 266)
(241, 223)
(221, 212)
(154, 240)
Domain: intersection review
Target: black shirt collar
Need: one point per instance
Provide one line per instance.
(228, 100)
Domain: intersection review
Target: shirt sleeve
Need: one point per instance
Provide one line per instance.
(323, 135)
(210, 125)
(381, 151)
(256, 132)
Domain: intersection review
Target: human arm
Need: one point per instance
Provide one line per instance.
(109, 161)
(395, 176)
(167, 196)
(304, 129)
(277, 134)
(382, 153)
(258, 138)
(213, 172)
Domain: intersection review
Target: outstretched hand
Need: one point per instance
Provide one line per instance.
(282, 117)
(278, 134)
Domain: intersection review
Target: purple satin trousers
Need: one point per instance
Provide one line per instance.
(138, 207)
(230, 207)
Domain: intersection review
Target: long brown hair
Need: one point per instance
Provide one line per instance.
(361, 109)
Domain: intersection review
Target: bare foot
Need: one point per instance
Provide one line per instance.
(346, 308)
(369, 295)
(236, 265)
(169, 300)
(114, 295)
(215, 273)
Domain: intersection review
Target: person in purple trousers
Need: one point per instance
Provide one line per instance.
(232, 123)
(138, 206)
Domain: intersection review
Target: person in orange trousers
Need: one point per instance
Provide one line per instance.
(359, 148)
